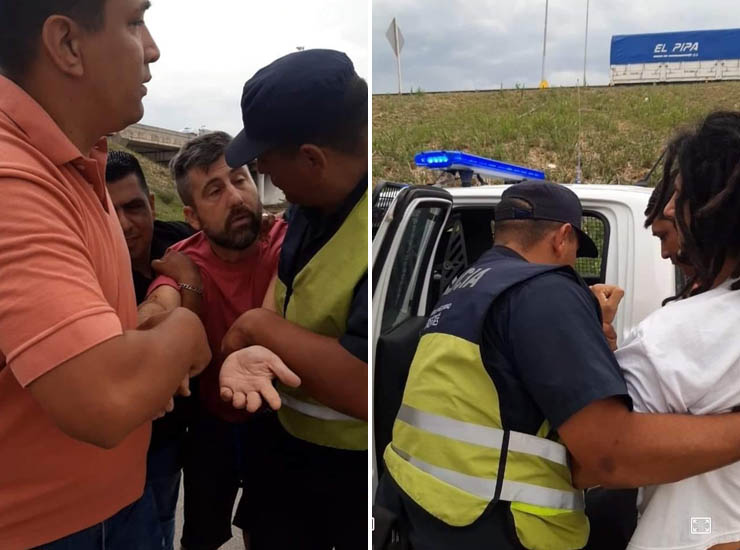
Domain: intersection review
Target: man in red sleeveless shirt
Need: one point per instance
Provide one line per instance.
(237, 261)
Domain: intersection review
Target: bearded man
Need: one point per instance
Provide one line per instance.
(237, 261)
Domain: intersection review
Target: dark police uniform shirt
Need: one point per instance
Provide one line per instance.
(308, 231)
(547, 353)
(169, 430)
(543, 345)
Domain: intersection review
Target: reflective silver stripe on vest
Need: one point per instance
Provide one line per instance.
(483, 435)
(312, 409)
(511, 491)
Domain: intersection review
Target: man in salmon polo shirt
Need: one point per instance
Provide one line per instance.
(81, 383)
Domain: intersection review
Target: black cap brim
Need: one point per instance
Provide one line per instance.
(586, 247)
(243, 150)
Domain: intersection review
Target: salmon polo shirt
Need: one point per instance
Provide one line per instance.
(65, 287)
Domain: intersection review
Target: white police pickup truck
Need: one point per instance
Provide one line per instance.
(426, 236)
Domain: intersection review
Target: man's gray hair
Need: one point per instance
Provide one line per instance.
(199, 152)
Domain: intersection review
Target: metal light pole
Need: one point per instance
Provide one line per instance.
(543, 82)
(585, 47)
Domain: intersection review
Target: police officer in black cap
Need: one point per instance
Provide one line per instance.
(305, 122)
(512, 351)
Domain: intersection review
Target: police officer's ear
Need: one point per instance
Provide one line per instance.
(563, 238)
(312, 158)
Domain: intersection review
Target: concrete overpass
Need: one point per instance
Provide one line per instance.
(161, 144)
(157, 144)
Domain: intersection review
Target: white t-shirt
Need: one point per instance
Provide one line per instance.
(685, 358)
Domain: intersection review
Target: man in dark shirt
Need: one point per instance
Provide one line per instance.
(146, 237)
(147, 240)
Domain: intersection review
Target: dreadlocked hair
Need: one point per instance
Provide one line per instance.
(660, 197)
(664, 189)
(709, 165)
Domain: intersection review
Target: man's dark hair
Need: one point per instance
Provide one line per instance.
(709, 165)
(120, 164)
(347, 131)
(21, 22)
(664, 189)
(199, 152)
(526, 233)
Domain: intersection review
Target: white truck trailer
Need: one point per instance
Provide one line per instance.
(686, 56)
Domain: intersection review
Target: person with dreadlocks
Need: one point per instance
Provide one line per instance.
(662, 227)
(684, 358)
(612, 513)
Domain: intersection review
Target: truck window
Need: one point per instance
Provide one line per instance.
(593, 270)
(404, 288)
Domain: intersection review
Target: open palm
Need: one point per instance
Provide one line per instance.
(246, 378)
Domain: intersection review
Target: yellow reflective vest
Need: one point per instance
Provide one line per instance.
(450, 451)
(319, 300)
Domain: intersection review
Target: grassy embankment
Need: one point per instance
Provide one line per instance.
(623, 128)
(167, 204)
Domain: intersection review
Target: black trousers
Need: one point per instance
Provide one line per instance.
(613, 517)
(311, 498)
(494, 530)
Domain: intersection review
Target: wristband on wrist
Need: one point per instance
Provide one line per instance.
(191, 288)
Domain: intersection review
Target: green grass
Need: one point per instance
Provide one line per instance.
(167, 203)
(623, 128)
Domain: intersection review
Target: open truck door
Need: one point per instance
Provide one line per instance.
(405, 239)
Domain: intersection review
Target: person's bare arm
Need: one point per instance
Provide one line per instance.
(616, 448)
(182, 269)
(162, 299)
(269, 300)
(106, 392)
(178, 266)
(328, 372)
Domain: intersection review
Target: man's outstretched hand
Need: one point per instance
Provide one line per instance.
(246, 378)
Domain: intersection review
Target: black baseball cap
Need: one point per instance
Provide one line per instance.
(546, 201)
(289, 100)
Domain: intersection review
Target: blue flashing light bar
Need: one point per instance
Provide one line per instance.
(456, 160)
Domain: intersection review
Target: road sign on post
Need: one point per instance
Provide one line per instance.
(395, 38)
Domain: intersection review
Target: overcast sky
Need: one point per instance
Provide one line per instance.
(210, 48)
(480, 44)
